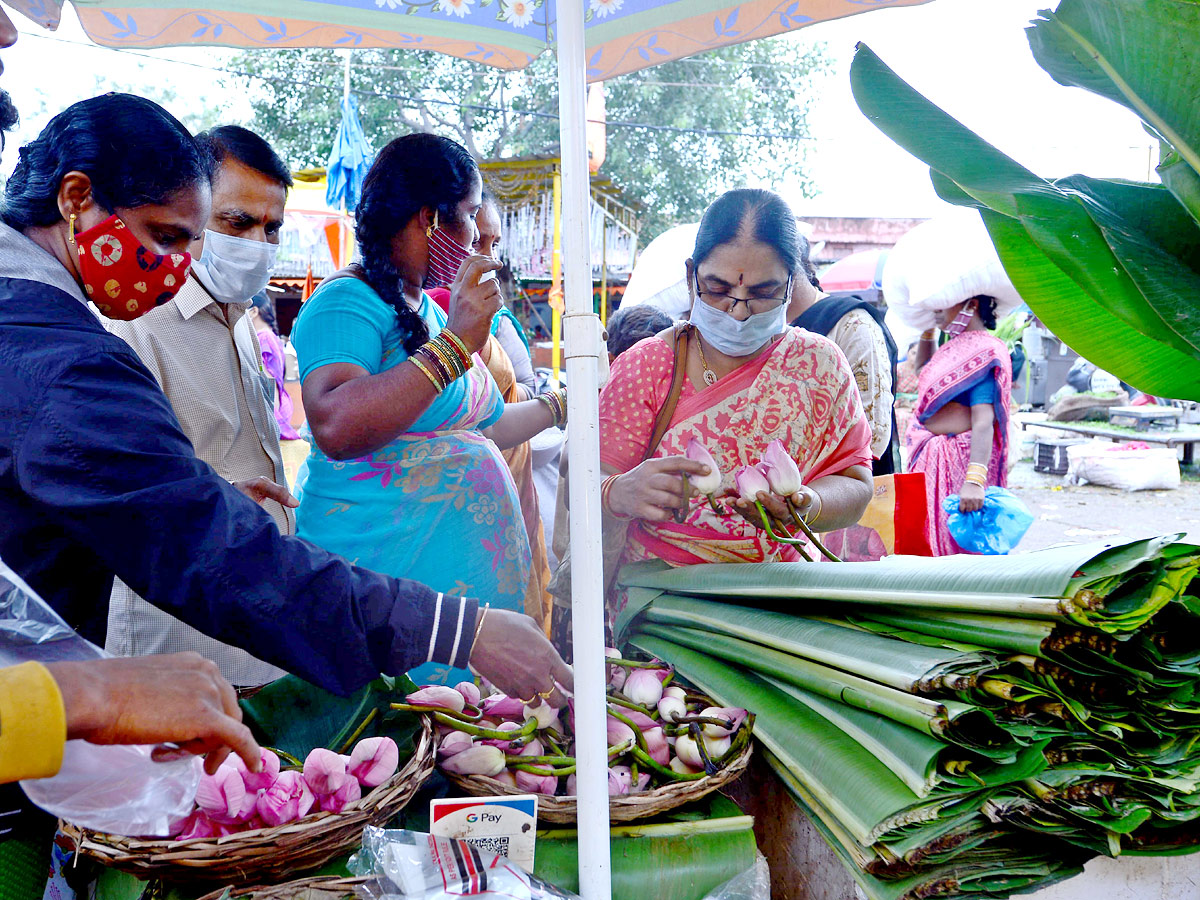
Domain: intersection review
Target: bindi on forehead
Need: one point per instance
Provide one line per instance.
(741, 277)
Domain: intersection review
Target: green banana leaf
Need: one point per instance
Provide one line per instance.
(1139, 53)
(1075, 255)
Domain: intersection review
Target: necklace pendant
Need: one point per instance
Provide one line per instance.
(710, 377)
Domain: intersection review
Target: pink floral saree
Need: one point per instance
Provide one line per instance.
(956, 367)
(801, 391)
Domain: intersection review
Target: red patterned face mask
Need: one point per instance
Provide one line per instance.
(445, 256)
(123, 278)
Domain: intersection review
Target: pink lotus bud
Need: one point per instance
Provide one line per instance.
(222, 795)
(736, 715)
(324, 771)
(751, 482)
(499, 706)
(571, 786)
(687, 751)
(656, 745)
(264, 777)
(619, 780)
(716, 747)
(504, 745)
(374, 760)
(617, 676)
(705, 484)
(533, 748)
(507, 777)
(454, 742)
(542, 711)
(469, 690)
(197, 825)
(618, 732)
(675, 691)
(612, 653)
(643, 687)
(287, 800)
(480, 759)
(678, 765)
(643, 781)
(641, 720)
(439, 696)
(671, 708)
(536, 784)
(783, 475)
(349, 792)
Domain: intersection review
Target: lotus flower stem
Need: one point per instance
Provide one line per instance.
(680, 515)
(629, 704)
(647, 762)
(494, 734)
(636, 664)
(633, 770)
(440, 710)
(766, 520)
(725, 723)
(534, 770)
(710, 767)
(740, 739)
(286, 757)
(808, 531)
(716, 507)
(637, 732)
(357, 733)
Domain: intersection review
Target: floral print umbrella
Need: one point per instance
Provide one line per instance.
(621, 35)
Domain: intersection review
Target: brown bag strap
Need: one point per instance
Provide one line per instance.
(663, 420)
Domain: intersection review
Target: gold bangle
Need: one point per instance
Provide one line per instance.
(438, 387)
(435, 362)
(812, 517)
(605, 490)
(449, 359)
(976, 480)
(478, 628)
(459, 345)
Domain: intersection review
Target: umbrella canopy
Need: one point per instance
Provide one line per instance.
(349, 159)
(621, 35)
(857, 272)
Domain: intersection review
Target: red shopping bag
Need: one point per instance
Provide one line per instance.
(894, 522)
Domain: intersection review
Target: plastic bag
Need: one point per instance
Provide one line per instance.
(1132, 466)
(117, 789)
(753, 884)
(411, 865)
(992, 530)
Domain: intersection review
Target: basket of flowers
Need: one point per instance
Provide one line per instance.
(668, 744)
(296, 813)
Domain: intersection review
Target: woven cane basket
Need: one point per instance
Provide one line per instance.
(623, 808)
(265, 854)
(321, 887)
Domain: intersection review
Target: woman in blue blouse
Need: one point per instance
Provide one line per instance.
(405, 473)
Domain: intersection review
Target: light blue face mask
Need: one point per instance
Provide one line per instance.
(735, 337)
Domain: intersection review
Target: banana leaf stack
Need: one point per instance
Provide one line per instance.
(974, 726)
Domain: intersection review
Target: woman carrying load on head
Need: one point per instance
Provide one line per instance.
(946, 272)
(749, 380)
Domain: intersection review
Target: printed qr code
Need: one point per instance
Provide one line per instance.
(497, 845)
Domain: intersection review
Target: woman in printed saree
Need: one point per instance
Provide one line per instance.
(405, 473)
(945, 272)
(748, 380)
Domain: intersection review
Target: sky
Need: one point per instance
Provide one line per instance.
(968, 56)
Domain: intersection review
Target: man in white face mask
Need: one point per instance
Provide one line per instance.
(202, 349)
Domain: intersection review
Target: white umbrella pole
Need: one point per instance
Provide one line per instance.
(581, 330)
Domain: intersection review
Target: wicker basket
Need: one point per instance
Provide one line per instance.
(624, 808)
(322, 887)
(265, 854)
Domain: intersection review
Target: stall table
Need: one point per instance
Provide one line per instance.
(1187, 438)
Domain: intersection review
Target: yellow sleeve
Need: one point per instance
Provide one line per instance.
(33, 723)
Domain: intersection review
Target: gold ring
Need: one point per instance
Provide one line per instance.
(545, 695)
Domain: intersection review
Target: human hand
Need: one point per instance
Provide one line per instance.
(654, 489)
(263, 488)
(512, 652)
(803, 502)
(472, 304)
(179, 698)
(970, 497)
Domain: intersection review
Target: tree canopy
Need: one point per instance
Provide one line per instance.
(678, 133)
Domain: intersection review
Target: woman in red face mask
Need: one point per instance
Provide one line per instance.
(405, 473)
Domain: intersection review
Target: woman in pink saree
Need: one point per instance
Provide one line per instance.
(749, 380)
(959, 433)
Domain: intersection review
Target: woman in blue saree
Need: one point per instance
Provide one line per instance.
(405, 472)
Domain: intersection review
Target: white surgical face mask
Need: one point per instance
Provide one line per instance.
(735, 337)
(234, 269)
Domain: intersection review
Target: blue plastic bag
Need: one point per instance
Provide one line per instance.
(992, 530)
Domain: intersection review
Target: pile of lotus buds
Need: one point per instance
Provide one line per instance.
(658, 733)
(234, 799)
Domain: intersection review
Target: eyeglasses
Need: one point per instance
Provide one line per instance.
(726, 302)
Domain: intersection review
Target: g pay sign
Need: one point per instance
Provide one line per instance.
(506, 826)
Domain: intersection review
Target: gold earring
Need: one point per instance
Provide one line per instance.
(71, 229)
(429, 230)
